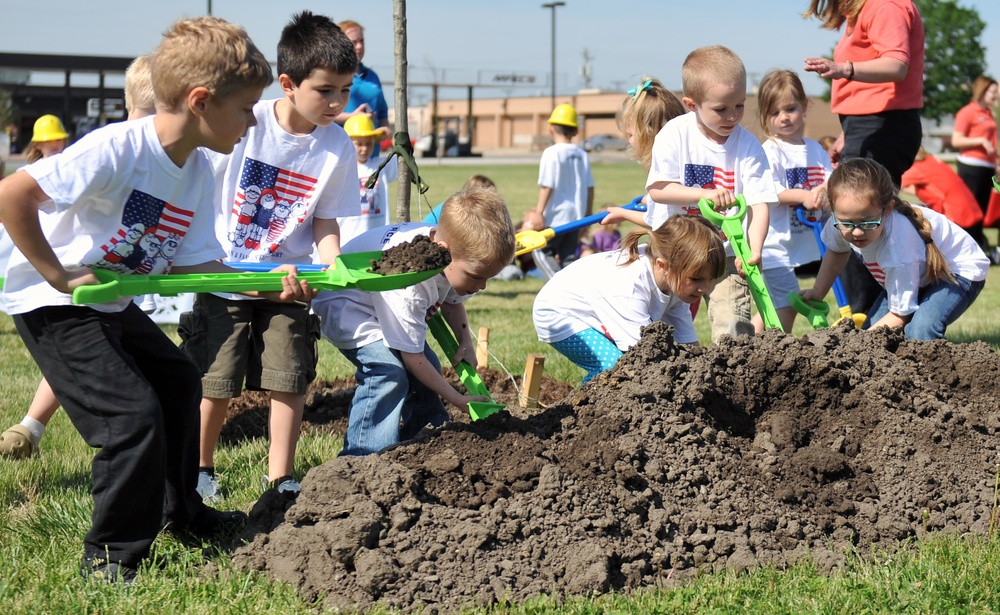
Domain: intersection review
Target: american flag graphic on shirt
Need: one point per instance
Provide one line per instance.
(708, 177)
(806, 178)
(289, 186)
(144, 211)
(877, 272)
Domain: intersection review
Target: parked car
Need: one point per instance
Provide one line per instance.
(601, 142)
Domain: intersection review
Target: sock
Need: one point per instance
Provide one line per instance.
(210, 470)
(37, 428)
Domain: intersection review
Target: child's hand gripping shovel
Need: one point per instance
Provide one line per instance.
(838, 287)
(349, 271)
(732, 226)
(468, 375)
(528, 241)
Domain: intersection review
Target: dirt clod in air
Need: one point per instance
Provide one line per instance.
(418, 254)
(755, 451)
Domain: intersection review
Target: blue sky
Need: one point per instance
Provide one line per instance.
(464, 40)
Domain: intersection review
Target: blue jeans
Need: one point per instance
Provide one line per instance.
(938, 305)
(390, 405)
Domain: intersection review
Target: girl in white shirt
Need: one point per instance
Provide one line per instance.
(929, 268)
(594, 310)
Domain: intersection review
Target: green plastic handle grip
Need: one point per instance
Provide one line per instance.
(732, 226)
(814, 310)
(466, 373)
(349, 271)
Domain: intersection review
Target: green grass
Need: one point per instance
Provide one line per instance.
(45, 503)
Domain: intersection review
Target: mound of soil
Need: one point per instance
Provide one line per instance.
(757, 450)
(418, 254)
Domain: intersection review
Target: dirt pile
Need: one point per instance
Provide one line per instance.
(753, 451)
(418, 254)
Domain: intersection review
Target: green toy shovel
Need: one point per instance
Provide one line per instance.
(732, 226)
(349, 271)
(466, 373)
(815, 310)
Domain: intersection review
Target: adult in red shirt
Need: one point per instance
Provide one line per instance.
(877, 74)
(938, 186)
(975, 138)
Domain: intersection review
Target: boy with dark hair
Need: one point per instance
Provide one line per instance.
(130, 392)
(278, 194)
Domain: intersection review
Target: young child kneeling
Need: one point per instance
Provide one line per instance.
(400, 385)
(594, 310)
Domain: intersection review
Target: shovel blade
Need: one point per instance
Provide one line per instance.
(528, 241)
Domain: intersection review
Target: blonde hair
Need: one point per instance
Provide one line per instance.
(827, 141)
(688, 244)
(863, 178)
(979, 87)
(773, 89)
(348, 24)
(33, 153)
(833, 13)
(477, 227)
(139, 96)
(646, 112)
(708, 66)
(479, 181)
(206, 52)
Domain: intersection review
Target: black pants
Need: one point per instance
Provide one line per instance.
(133, 395)
(891, 138)
(980, 182)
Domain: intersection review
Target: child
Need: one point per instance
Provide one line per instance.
(49, 137)
(566, 186)
(606, 237)
(278, 193)
(474, 181)
(594, 310)
(930, 270)
(374, 201)
(126, 386)
(400, 385)
(939, 187)
(800, 167)
(707, 154)
(22, 441)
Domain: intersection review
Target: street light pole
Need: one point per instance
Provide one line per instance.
(553, 6)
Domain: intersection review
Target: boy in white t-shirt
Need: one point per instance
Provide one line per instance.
(130, 392)
(400, 385)
(707, 154)
(375, 200)
(278, 195)
(566, 186)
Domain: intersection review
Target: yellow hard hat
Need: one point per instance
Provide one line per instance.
(48, 128)
(360, 125)
(565, 115)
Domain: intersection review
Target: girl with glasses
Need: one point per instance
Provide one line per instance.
(930, 270)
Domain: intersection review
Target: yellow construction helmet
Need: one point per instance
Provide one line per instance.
(360, 125)
(565, 115)
(48, 128)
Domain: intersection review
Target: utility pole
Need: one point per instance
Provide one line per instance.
(553, 6)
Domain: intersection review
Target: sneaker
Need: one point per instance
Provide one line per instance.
(285, 485)
(210, 525)
(16, 443)
(101, 570)
(994, 255)
(208, 488)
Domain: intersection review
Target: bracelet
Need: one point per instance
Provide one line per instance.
(850, 75)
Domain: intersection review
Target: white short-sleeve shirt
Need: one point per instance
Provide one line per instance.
(375, 206)
(565, 168)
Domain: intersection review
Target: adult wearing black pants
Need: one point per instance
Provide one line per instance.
(877, 75)
(975, 138)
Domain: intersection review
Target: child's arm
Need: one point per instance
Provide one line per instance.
(833, 263)
(326, 234)
(760, 220)
(544, 194)
(618, 214)
(424, 371)
(20, 196)
(676, 193)
(457, 318)
(799, 196)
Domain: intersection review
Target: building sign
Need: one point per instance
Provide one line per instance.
(492, 77)
(114, 108)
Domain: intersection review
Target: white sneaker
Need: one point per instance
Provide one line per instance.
(285, 485)
(208, 488)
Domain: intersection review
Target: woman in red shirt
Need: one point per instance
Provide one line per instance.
(975, 138)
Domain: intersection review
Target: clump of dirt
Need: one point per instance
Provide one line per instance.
(418, 254)
(758, 450)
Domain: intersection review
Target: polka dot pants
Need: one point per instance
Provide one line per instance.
(591, 350)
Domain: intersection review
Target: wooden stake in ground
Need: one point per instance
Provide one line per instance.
(531, 384)
(482, 348)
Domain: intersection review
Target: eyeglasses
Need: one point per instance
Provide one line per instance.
(868, 225)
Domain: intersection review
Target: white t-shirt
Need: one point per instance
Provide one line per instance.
(789, 242)
(375, 206)
(596, 292)
(120, 204)
(565, 168)
(354, 318)
(274, 183)
(682, 154)
(898, 258)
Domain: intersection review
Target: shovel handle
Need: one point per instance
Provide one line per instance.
(814, 310)
(838, 287)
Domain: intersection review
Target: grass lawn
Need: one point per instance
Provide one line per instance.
(45, 503)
